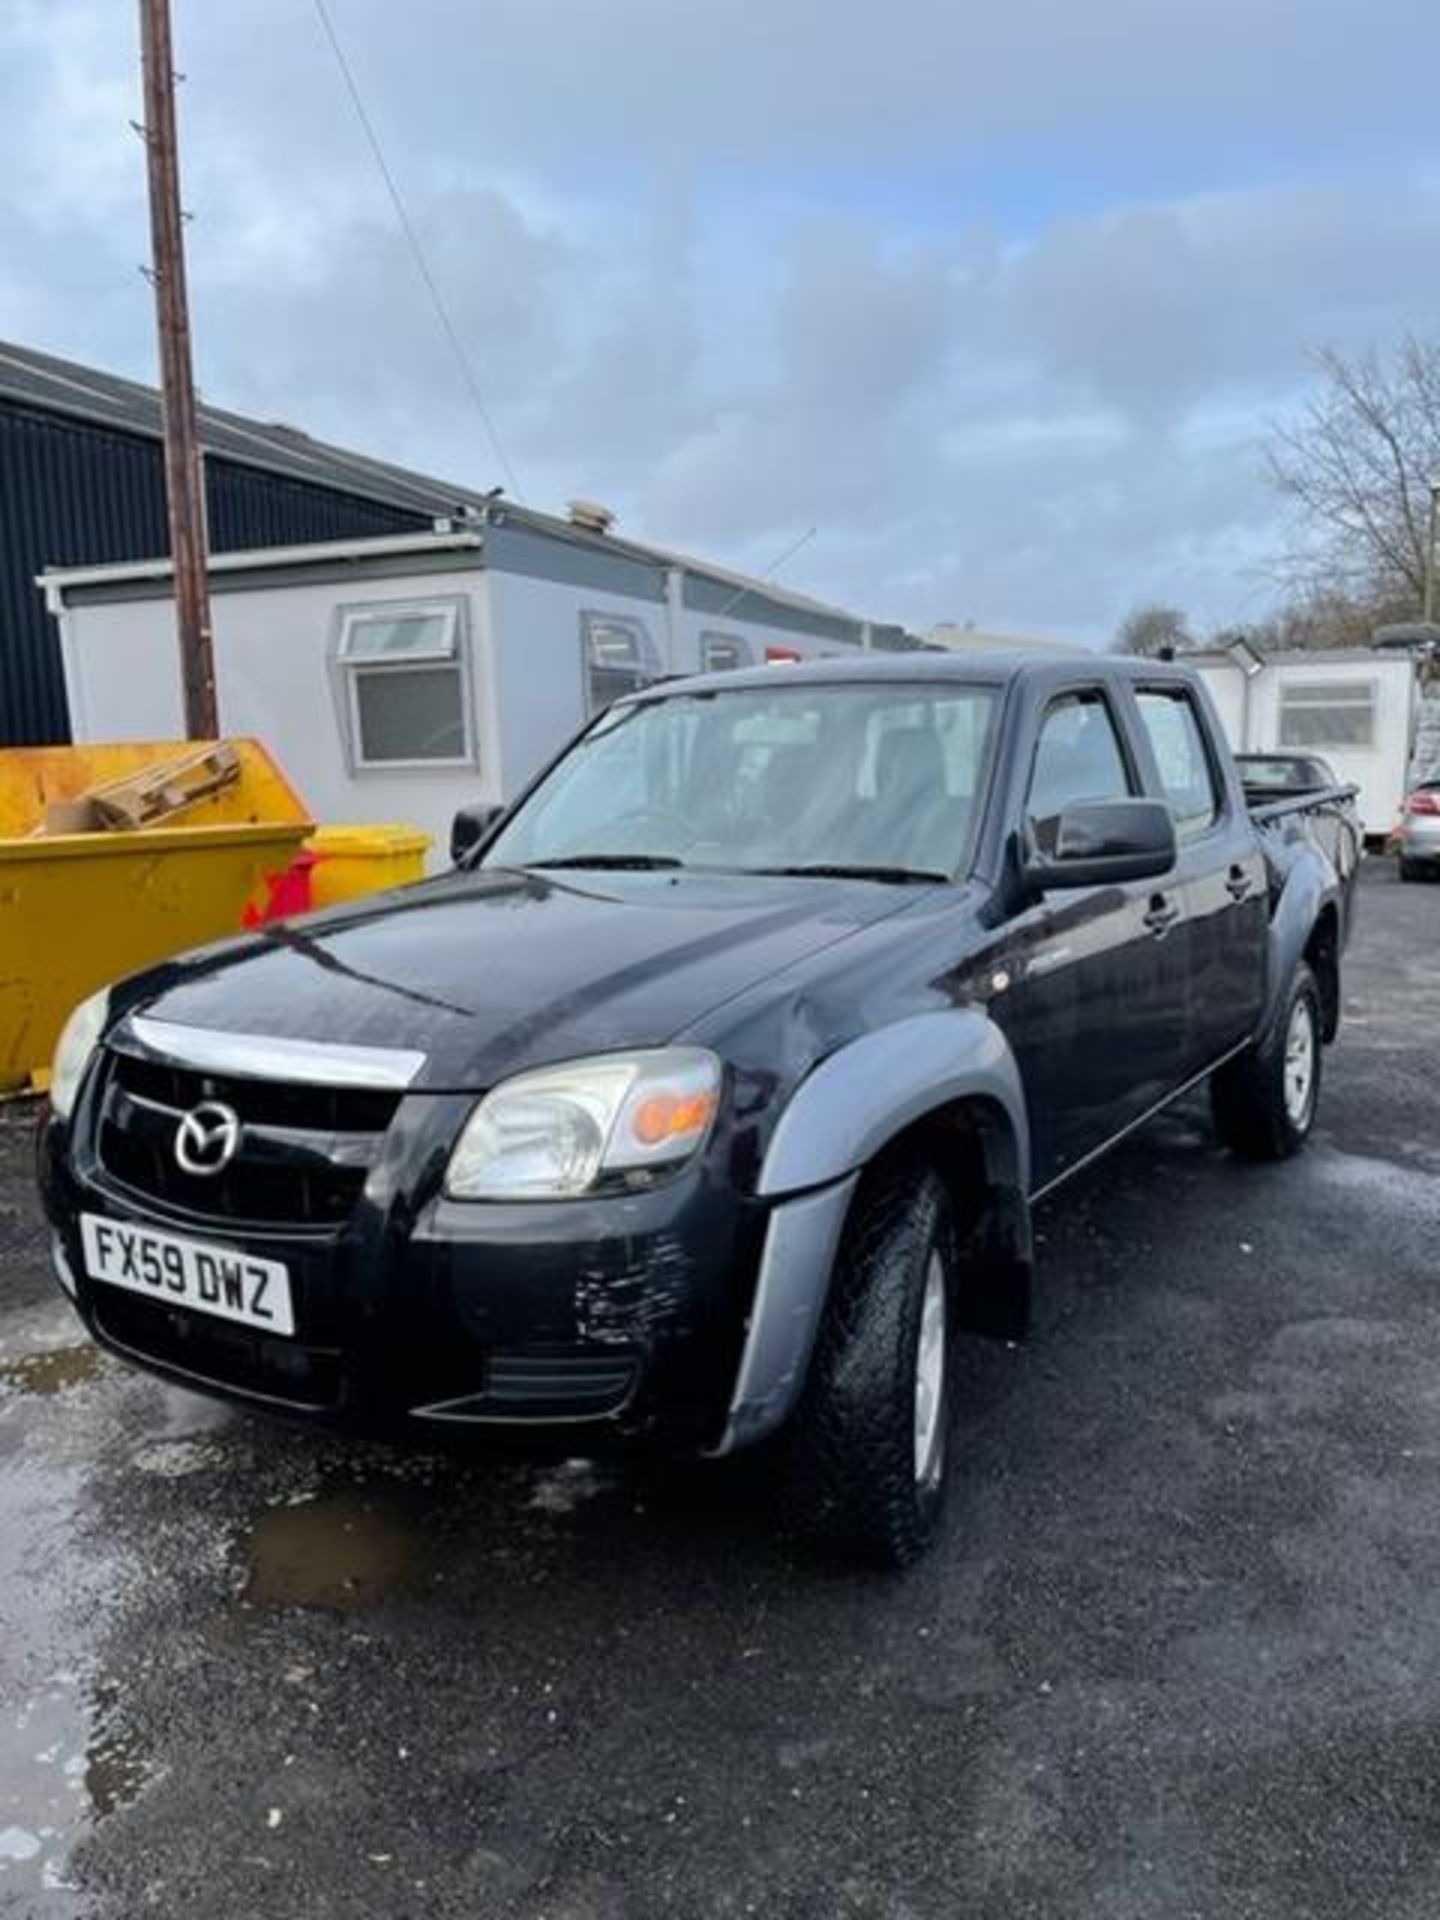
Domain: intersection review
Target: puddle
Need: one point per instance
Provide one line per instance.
(68, 1758)
(341, 1552)
(67, 1765)
(116, 1765)
(54, 1371)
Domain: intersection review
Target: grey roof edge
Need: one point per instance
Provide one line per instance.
(412, 569)
(398, 556)
(745, 586)
(160, 568)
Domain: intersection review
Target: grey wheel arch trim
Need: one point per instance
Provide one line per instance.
(859, 1098)
(842, 1115)
(801, 1242)
(1303, 899)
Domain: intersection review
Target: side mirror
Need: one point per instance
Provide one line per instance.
(470, 826)
(1105, 843)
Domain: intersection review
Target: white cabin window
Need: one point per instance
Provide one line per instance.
(724, 652)
(1327, 713)
(406, 686)
(620, 658)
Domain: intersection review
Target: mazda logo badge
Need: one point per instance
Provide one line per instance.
(207, 1139)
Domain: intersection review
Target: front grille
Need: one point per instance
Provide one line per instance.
(304, 1378)
(261, 1102)
(304, 1152)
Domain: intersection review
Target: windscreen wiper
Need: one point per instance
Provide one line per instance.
(616, 862)
(838, 870)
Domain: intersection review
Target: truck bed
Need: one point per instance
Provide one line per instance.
(1322, 817)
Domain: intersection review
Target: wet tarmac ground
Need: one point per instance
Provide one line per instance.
(1178, 1652)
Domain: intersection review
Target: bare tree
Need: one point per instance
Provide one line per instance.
(1327, 617)
(1356, 467)
(1151, 629)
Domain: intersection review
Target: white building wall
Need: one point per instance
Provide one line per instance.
(539, 685)
(1251, 709)
(122, 671)
(274, 679)
(1226, 687)
(540, 676)
(691, 626)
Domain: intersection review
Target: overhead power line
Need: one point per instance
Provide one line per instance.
(769, 573)
(447, 325)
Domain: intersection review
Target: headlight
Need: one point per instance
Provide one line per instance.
(74, 1050)
(560, 1130)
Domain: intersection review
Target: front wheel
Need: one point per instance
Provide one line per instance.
(869, 1451)
(1264, 1102)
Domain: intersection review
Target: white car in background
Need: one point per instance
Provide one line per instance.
(1420, 830)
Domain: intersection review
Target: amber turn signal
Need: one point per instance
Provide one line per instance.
(671, 1116)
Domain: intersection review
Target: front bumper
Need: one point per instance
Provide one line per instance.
(619, 1317)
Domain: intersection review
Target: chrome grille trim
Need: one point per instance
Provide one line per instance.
(255, 1056)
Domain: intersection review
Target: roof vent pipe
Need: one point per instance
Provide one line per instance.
(590, 515)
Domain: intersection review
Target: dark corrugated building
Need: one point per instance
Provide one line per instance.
(82, 482)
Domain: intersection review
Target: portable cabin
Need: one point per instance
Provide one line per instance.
(82, 484)
(398, 678)
(1355, 707)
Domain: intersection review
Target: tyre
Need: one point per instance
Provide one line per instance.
(1264, 1102)
(1412, 869)
(868, 1454)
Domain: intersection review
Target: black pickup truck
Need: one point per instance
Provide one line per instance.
(707, 1098)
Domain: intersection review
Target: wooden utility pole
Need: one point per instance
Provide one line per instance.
(184, 477)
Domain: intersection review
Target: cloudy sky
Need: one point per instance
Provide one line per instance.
(998, 295)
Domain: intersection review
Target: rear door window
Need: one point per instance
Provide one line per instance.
(1186, 773)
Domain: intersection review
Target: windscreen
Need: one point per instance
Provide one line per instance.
(882, 775)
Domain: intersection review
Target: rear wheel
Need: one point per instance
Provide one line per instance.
(1412, 869)
(868, 1455)
(1264, 1102)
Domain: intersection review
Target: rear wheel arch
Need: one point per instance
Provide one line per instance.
(1322, 955)
(1295, 921)
(1251, 1096)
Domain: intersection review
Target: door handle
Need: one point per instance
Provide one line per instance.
(1238, 883)
(1161, 915)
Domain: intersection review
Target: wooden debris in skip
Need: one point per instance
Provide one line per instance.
(149, 797)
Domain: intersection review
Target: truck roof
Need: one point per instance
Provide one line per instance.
(991, 669)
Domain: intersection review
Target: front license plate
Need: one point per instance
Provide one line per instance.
(188, 1273)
